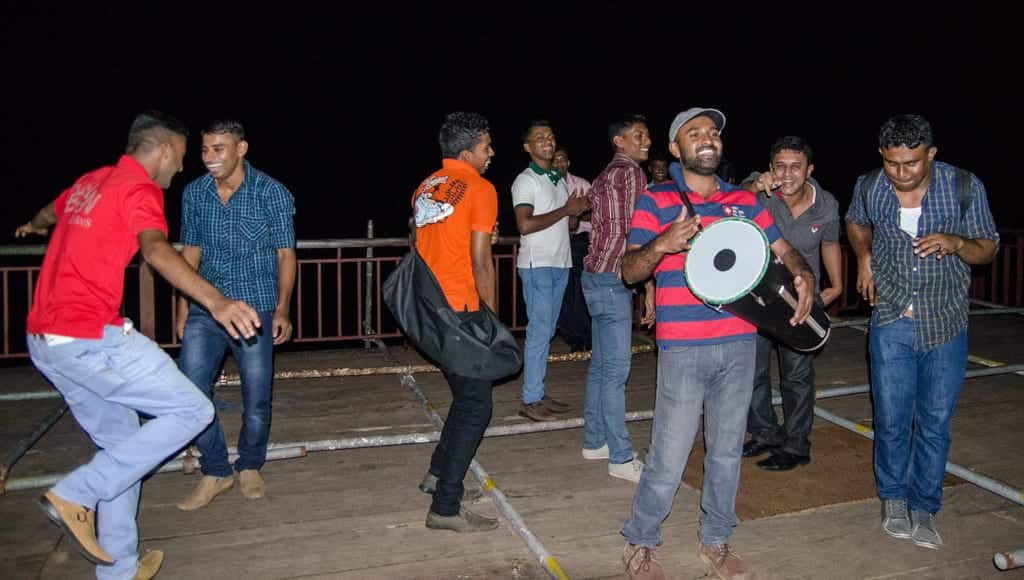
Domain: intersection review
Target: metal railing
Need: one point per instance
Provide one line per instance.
(337, 296)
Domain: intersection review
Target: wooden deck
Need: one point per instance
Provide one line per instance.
(358, 514)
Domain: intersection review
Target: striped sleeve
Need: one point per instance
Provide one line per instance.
(644, 225)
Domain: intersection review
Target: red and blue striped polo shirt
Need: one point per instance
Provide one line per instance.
(683, 320)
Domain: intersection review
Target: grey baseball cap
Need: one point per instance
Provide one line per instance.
(683, 118)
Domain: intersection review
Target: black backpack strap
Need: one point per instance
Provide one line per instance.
(963, 190)
(868, 183)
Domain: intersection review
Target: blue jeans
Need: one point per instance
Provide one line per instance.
(914, 396)
(718, 377)
(106, 382)
(604, 408)
(543, 289)
(796, 383)
(202, 353)
(463, 429)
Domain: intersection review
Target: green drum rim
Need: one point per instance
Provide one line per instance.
(760, 275)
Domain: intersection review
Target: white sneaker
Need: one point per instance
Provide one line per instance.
(599, 453)
(629, 471)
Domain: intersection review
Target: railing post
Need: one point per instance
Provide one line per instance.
(368, 291)
(147, 301)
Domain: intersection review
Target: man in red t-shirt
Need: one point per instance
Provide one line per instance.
(106, 371)
(454, 214)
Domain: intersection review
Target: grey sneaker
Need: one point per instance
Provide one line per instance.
(464, 521)
(429, 486)
(924, 533)
(895, 520)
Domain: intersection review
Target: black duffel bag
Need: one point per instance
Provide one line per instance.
(469, 344)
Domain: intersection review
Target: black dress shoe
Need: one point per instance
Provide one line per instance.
(783, 461)
(754, 448)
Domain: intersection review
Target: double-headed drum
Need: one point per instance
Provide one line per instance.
(730, 266)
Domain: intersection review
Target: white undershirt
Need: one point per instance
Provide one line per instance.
(909, 216)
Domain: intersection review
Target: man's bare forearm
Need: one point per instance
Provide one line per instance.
(639, 262)
(286, 269)
(860, 239)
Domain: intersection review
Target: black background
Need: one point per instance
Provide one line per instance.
(342, 103)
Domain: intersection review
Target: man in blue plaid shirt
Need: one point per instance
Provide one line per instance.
(237, 231)
(916, 228)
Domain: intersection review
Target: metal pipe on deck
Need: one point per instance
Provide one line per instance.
(180, 464)
(986, 483)
(12, 455)
(1009, 560)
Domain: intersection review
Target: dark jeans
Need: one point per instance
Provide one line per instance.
(463, 429)
(202, 353)
(574, 319)
(796, 371)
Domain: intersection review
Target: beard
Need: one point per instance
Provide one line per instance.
(702, 166)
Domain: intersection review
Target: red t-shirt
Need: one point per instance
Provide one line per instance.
(99, 219)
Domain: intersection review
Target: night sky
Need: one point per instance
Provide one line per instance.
(343, 106)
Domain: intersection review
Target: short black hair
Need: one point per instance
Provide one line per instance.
(461, 132)
(228, 126)
(533, 125)
(618, 126)
(792, 143)
(151, 128)
(909, 131)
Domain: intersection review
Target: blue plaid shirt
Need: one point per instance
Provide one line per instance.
(936, 288)
(239, 240)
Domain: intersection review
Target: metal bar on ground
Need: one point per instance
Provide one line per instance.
(1009, 560)
(23, 483)
(12, 455)
(544, 558)
(987, 483)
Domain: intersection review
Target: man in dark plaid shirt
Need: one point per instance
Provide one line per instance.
(916, 228)
(237, 231)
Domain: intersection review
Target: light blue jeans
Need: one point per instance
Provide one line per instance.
(106, 382)
(718, 377)
(914, 395)
(543, 289)
(604, 406)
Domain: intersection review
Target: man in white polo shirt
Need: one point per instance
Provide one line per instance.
(543, 208)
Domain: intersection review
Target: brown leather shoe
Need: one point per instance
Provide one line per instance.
(641, 563)
(722, 562)
(463, 522)
(209, 487)
(536, 412)
(149, 565)
(251, 483)
(78, 523)
(556, 406)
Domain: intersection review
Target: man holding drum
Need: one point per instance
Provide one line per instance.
(706, 356)
(808, 217)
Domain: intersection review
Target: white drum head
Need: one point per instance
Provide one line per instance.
(726, 260)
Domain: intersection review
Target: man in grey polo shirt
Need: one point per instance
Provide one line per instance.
(808, 217)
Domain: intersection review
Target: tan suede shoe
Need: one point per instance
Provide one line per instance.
(208, 488)
(251, 483)
(149, 565)
(78, 523)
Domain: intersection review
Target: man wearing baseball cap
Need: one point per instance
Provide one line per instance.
(706, 356)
